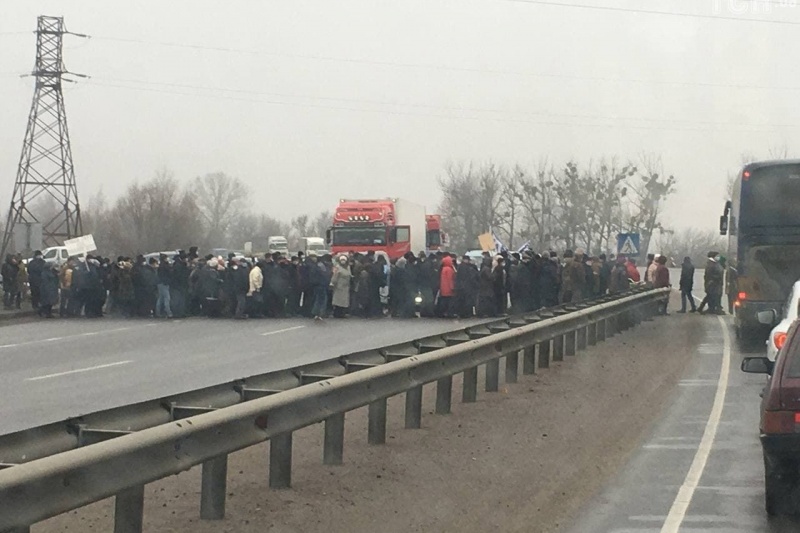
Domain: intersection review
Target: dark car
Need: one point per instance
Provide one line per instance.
(780, 424)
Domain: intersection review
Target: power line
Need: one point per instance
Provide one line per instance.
(427, 106)
(727, 127)
(653, 12)
(451, 68)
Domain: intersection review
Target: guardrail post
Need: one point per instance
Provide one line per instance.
(444, 395)
(213, 488)
(470, 387)
(544, 354)
(582, 333)
(129, 510)
(569, 345)
(333, 447)
(611, 326)
(601, 330)
(280, 461)
(414, 408)
(376, 433)
(493, 375)
(529, 360)
(558, 348)
(512, 366)
(591, 334)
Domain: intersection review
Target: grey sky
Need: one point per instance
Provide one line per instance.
(316, 100)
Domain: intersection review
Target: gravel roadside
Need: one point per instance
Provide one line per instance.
(521, 460)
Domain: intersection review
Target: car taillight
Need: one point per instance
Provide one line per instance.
(781, 421)
(742, 296)
(779, 339)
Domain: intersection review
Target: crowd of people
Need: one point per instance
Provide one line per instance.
(348, 285)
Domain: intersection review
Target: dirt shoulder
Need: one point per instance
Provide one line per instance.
(521, 460)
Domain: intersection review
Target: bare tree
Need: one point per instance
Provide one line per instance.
(471, 201)
(221, 199)
(154, 216)
(691, 242)
(321, 223)
(649, 192)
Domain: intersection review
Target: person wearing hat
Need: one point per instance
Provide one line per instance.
(713, 280)
(687, 284)
(340, 287)
(35, 268)
(467, 286)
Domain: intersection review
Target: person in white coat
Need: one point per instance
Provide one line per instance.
(340, 284)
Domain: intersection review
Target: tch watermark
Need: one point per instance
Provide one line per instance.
(751, 7)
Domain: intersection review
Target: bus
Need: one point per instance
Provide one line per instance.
(762, 222)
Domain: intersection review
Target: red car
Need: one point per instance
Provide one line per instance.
(780, 424)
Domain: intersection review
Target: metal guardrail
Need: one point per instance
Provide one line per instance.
(119, 462)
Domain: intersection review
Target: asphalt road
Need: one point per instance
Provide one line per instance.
(56, 369)
(701, 468)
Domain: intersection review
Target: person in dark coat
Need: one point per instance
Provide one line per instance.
(179, 285)
(9, 272)
(209, 284)
(295, 290)
(377, 280)
(499, 285)
(687, 284)
(282, 286)
(521, 281)
(400, 301)
(36, 266)
(487, 305)
(549, 280)
(412, 283)
(606, 267)
(92, 289)
(48, 294)
(124, 292)
(467, 286)
(240, 280)
(319, 280)
(148, 279)
(619, 281)
(426, 272)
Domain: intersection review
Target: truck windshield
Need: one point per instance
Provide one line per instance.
(359, 236)
(769, 197)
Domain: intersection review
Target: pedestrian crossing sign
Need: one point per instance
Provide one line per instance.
(628, 244)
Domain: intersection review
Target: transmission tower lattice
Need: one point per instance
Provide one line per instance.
(45, 173)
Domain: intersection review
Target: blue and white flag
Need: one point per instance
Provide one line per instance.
(525, 247)
(499, 247)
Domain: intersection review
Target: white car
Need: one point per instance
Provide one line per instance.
(777, 337)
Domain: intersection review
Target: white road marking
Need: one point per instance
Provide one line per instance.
(79, 370)
(67, 337)
(281, 331)
(677, 512)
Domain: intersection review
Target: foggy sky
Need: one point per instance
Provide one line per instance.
(317, 100)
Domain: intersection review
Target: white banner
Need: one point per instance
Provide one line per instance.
(80, 245)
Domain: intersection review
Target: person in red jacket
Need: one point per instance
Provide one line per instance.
(661, 279)
(633, 272)
(447, 287)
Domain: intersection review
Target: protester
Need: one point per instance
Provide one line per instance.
(340, 284)
(686, 285)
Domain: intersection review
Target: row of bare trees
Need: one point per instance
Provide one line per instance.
(555, 206)
(211, 211)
